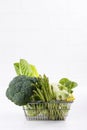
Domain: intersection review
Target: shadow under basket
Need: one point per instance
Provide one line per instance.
(53, 110)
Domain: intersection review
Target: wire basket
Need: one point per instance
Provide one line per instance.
(54, 110)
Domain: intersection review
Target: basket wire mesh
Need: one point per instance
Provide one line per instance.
(55, 110)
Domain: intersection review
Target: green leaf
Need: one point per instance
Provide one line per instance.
(66, 84)
(73, 85)
(24, 66)
(63, 81)
(33, 70)
(17, 68)
(28, 69)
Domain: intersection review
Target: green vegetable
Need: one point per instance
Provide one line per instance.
(62, 95)
(37, 96)
(21, 89)
(17, 68)
(24, 68)
(66, 84)
(48, 106)
(44, 91)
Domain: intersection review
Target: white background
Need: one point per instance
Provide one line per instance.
(51, 34)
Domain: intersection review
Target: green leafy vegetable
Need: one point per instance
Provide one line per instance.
(63, 81)
(24, 68)
(66, 84)
(17, 68)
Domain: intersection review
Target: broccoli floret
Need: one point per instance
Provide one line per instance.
(21, 89)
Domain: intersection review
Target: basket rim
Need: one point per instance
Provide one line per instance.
(52, 101)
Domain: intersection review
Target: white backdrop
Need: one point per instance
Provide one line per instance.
(51, 34)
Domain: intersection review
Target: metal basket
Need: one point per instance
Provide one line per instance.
(54, 110)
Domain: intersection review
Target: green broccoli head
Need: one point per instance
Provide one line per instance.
(21, 89)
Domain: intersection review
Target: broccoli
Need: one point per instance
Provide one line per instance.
(21, 89)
